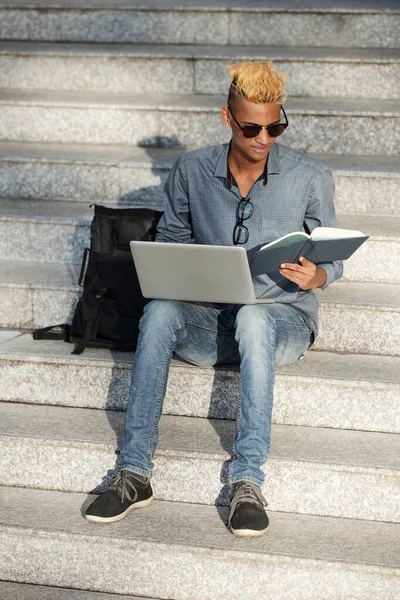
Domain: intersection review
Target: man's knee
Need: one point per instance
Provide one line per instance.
(255, 322)
(159, 313)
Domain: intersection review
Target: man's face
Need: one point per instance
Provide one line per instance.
(247, 113)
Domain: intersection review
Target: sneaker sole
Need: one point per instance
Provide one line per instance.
(142, 504)
(248, 532)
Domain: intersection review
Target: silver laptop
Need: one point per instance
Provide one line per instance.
(194, 272)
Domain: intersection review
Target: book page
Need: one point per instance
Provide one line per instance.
(334, 233)
(286, 240)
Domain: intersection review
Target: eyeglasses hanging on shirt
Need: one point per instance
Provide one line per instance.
(244, 211)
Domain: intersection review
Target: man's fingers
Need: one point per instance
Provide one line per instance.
(292, 275)
(295, 278)
(305, 262)
(302, 274)
(291, 267)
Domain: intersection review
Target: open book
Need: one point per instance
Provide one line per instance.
(325, 244)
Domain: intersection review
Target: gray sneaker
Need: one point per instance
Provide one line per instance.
(247, 516)
(125, 492)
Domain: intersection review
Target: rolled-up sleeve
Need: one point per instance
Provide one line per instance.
(175, 223)
(321, 213)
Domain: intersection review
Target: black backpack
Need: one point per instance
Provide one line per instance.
(108, 312)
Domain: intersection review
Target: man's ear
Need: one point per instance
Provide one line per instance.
(225, 116)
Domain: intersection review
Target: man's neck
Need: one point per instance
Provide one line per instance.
(240, 165)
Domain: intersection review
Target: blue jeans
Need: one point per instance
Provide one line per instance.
(258, 337)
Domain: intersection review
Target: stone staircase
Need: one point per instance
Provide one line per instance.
(97, 99)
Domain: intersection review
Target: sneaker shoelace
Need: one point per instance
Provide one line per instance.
(123, 485)
(247, 492)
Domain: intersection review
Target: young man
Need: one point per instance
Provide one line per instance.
(248, 192)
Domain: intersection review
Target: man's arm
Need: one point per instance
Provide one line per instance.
(175, 224)
(320, 213)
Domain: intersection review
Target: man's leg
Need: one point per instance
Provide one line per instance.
(200, 334)
(268, 335)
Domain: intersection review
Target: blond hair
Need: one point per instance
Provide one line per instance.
(257, 81)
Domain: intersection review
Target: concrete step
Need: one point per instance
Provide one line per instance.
(359, 317)
(382, 248)
(46, 231)
(26, 591)
(37, 294)
(354, 317)
(318, 23)
(196, 69)
(353, 385)
(192, 457)
(167, 120)
(300, 557)
(92, 173)
(127, 175)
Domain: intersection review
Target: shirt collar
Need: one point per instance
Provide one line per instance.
(220, 167)
(273, 163)
(271, 166)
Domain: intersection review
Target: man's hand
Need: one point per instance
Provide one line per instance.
(307, 275)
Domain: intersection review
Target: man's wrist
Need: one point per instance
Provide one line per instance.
(321, 276)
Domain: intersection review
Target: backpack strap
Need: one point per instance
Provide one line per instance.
(54, 332)
(92, 321)
(83, 266)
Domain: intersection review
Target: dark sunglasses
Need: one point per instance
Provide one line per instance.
(244, 211)
(251, 131)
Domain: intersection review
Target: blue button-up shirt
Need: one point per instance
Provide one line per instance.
(294, 194)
